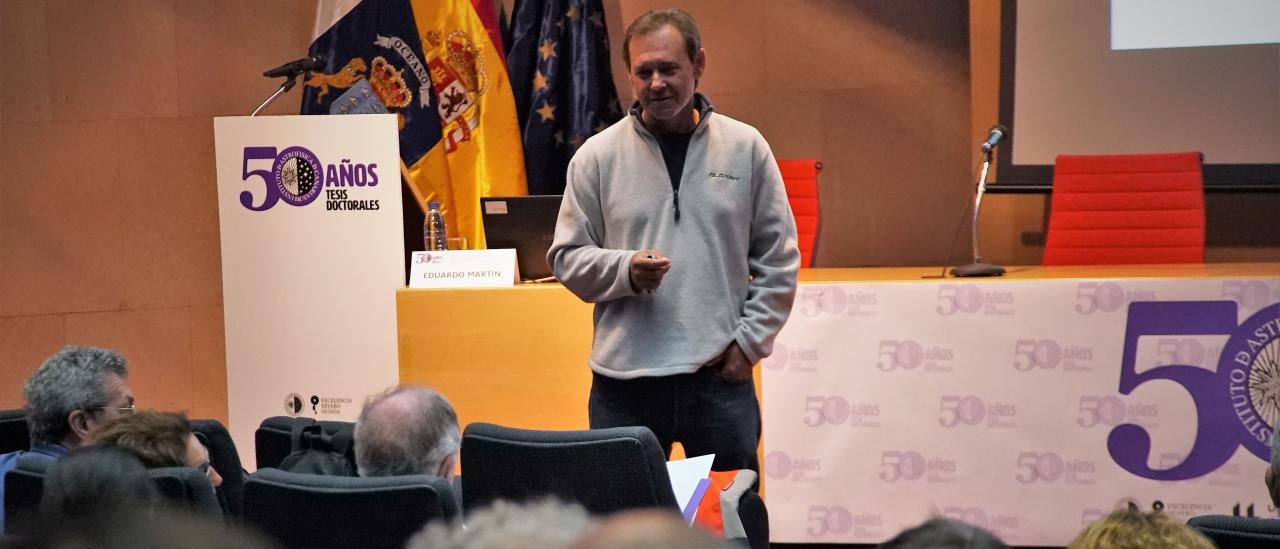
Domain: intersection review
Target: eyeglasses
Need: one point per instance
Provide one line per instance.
(119, 409)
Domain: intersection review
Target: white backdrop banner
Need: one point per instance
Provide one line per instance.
(312, 255)
(1030, 408)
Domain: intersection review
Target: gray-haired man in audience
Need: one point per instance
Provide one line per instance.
(407, 431)
(68, 397)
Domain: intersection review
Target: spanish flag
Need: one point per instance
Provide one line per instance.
(438, 65)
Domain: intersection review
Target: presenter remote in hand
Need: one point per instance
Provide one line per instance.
(676, 339)
(647, 268)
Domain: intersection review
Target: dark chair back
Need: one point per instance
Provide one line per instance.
(301, 510)
(273, 441)
(1231, 532)
(23, 487)
(755, 520)
(186, 487)
(605, 470)
(14, 435)
(226, 460)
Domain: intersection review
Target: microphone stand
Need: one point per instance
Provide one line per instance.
(286, 86)
(978, 268)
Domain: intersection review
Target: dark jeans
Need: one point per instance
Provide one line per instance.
(703, 412)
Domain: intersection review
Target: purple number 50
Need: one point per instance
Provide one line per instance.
(270, 197)
(1218, 431)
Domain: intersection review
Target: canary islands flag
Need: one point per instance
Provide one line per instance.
(438, 66)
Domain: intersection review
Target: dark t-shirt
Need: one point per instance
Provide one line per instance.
(674, 149)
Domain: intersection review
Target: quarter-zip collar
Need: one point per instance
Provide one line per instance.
(704, 110)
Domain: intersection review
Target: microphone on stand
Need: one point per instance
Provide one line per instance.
(294, 68)
(998, 132)
(978, 268)
(290, 71)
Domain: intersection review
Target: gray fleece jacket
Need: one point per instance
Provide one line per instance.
(734, 256)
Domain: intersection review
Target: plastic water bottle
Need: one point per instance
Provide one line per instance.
(433, 231)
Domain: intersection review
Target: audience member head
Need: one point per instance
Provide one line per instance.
(544, 524)
(93, 480)
(643, 529)
(1133, 529)
(407, 430)
(159, 439)
(944, 533)
(74, 392)
(138, 528)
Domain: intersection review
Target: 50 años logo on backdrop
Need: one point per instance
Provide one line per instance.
(1236, 405)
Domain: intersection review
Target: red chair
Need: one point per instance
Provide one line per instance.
(801, 179)
(1126, 209)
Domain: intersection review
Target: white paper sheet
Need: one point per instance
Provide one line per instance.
(686, 474)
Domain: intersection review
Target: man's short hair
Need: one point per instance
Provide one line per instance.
(540, 523)
(93, 480)
(159, 439)
(1133, 528)
(638, 528)
(74, 378)
(653, 21)
(405, 430)
(939, 533)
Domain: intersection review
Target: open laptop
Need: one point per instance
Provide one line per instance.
(526, 223)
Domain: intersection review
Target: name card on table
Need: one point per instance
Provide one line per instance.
(464, 269)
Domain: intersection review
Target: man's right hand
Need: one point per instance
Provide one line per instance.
(647, 270)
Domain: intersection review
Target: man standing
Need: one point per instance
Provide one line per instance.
(407, 431)
(675, 223)
(68, 397)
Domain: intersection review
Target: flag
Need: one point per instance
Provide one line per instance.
(439, 68)
(558, 54)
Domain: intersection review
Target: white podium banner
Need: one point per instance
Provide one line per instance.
(312, 255)
(1030, 408)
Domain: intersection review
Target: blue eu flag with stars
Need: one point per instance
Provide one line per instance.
(558, 57)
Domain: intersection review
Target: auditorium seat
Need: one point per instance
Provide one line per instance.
(13, 431)
(801, 179)
(316, 511)
(274, 440)
(605, 470)
(225, 459)
(1231, 532)
(1126, 209)
(24, 485)
(187, 487)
